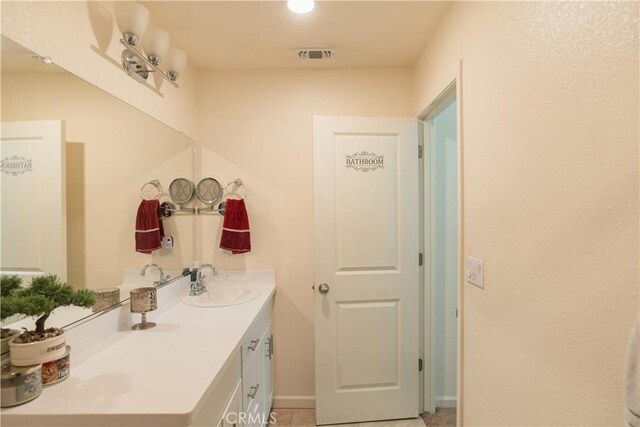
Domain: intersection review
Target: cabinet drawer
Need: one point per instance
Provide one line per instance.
(251, 346)
(250, 386)
(252, 343)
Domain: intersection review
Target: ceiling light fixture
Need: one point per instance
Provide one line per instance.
(301, 6)
(132, 19)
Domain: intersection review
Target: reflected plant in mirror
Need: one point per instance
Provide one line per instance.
(8, 285)
(45, 294)
(81, 156)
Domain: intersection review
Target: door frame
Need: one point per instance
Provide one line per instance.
(453, 85)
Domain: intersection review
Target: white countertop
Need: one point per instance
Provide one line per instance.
(151, 377)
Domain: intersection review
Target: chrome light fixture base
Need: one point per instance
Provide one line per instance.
(134, 66)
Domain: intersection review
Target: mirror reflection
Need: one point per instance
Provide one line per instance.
(75, 164)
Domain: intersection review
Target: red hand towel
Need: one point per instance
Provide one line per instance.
(235, 229)
(149, 230)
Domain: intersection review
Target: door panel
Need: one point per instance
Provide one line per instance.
(366, 251)
(32, 183)
(367, 345)
(360, 190)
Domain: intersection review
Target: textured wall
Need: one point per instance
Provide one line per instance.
(82, 37)
(257, 125)
(550, 110)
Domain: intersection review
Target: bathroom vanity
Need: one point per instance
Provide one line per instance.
(199, 366)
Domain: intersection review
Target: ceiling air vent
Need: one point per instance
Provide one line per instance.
(315, 54)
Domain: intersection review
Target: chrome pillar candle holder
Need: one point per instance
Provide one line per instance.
(143, 300)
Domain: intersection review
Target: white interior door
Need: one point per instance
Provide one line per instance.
(366, 268)
(32, 196)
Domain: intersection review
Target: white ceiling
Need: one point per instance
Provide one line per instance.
(265, 34)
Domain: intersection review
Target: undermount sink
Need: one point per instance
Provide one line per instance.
(222, 296)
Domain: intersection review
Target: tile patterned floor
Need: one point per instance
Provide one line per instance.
(307, 418)
(444, 417)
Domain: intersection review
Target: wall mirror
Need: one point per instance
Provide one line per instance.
(74, 161)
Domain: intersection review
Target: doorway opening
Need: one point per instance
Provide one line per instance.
(441, 219)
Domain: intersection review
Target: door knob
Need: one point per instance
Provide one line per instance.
(323, 288)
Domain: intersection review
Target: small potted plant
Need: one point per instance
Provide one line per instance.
(45, 294)
(8, 285)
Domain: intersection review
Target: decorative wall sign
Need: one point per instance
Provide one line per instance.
(364, 161)
(16, 165)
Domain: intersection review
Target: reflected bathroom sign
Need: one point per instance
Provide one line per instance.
(16, 165)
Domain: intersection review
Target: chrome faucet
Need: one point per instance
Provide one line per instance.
(198, 287)
(163, 278)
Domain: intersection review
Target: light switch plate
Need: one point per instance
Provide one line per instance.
(474, 271)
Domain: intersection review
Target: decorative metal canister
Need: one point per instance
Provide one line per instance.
(20, 384)
(57, 370)
(144, 300)
(105, 298)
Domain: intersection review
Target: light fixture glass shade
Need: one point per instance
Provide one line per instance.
(155, 44)
(132, 18)
(176, 60)
(301, 6)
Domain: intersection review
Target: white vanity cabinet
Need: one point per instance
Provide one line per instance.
(257, 370)
(228, 383)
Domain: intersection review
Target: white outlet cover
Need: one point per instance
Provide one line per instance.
(474, 271)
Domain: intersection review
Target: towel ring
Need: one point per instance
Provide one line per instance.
(158, 187)
(238, 184)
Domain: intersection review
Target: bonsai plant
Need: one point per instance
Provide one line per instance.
(45, 294)
(8, 285)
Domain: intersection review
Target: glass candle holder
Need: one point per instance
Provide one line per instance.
(105, 298)
(143, 300)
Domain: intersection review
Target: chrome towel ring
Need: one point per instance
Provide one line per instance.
(158, 189)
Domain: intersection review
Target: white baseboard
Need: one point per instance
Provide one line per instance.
(294, 402)
(446, 402)
(304, 402)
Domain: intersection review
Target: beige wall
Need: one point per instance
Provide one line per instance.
(257, 125)
(112, 149)
(82, 37)
(551, 185)
(550, 110)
